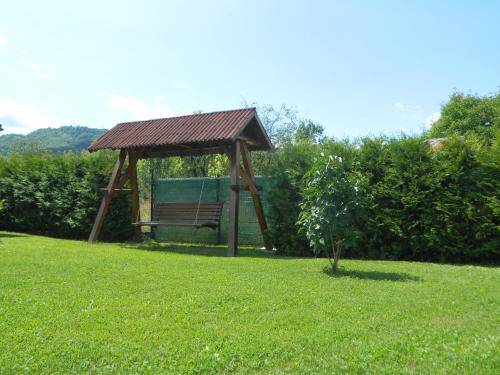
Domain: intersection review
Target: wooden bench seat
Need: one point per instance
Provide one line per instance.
(195, 215)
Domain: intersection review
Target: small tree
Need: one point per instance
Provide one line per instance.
(331, 205)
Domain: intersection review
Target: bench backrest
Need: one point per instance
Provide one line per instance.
(188, 212)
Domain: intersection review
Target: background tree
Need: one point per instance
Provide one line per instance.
(280, 123)
(28, 147)
(469, 115)
(309, 131)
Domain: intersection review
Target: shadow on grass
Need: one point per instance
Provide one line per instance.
(372, 275)
(204, 250)
(11, 235)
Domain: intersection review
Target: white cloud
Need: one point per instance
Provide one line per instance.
(3, 40)
(33, 66)
(432, 118)
(138, 109)
(21, 119)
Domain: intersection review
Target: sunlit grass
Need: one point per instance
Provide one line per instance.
(70, 307)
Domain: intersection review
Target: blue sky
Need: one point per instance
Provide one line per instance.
(356, 67)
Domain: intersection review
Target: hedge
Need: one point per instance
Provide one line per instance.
(58, 195)
(419, 204)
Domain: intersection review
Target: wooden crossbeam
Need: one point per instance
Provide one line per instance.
(244, 188)
(116, 190)
(159, 153)
(247, 141)
(126, 175)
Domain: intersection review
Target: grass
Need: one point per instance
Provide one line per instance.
(70, 307)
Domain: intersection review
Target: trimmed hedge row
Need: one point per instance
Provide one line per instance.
(59, 196)
(419, 204)
(429, 205)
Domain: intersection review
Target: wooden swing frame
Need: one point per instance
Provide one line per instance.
(239, 157)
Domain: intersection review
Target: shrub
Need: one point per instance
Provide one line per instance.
(332, 204)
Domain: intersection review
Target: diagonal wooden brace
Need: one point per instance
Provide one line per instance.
(106, 199)
(249, 180)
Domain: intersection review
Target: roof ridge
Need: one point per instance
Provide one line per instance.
(191, 115)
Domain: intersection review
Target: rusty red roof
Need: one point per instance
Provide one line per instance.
(214, 129)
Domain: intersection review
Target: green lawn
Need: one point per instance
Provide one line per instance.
(70, 307)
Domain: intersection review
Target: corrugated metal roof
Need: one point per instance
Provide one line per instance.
(202, 128)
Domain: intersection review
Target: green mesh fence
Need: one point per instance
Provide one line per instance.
(208, 189)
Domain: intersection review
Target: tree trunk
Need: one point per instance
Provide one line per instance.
(335, 264)
(336, 246)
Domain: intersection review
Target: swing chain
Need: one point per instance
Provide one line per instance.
(199, 202)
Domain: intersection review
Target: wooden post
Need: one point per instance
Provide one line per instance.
(136, 214)
(108, 194)
(234, 155)
(249, 179)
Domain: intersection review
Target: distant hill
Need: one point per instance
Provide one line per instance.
(57, 140)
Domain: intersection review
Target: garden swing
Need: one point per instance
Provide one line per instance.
(234, 133)
(185, 214)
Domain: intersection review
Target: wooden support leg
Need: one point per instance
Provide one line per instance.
(103, 209)
(249, 180)
(136, 214)
(234, 156)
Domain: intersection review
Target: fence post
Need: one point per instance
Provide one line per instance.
(152, 203)
(217, 197)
